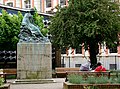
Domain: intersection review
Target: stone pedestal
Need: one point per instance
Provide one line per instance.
(34, 61)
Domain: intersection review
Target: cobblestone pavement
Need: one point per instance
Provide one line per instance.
(57, 85)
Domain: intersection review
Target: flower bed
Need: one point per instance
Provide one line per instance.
(91, 82)
(67, 85)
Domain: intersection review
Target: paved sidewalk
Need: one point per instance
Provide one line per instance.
(57, 85)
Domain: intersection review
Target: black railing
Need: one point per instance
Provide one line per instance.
(8, 59)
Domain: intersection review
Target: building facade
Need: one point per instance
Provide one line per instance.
(110, 57)
(44, 6)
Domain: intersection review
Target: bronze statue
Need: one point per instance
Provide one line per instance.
(29, 31)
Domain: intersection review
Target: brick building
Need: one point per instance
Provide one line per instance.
(45, 6)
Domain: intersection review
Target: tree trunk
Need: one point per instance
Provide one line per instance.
(93, 49)
(58, 57)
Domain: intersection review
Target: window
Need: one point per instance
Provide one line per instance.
(63, 65)
(10, 4)
(48, 3)
(62, 2)
(77, 65)
(79, 50)
(113, 50)
(113, 66)
(27, 3)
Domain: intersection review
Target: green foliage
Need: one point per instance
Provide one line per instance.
(38, 20)
(1, 81)
(86, 21)
(91, 80)
(102, 80)
(78, 79)
(113, 80)
(118, 80)
(45, 31)
(9, 28)
(75, 79)
(20, 16)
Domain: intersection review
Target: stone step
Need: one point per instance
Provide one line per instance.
(33, 81)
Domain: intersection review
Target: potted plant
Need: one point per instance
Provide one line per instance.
(91, 82)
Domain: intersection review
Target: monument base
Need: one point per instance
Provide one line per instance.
(34, 61)
(33, 81)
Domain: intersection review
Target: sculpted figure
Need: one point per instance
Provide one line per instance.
(30, 32)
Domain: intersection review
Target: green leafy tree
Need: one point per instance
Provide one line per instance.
(9, 29)
(91, 22)
(39, 22)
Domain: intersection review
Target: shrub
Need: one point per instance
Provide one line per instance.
(118, 80)
(75, 79)
(78, 79)
(113, 80)
(102, 80)
(1, 81)
(91, 80)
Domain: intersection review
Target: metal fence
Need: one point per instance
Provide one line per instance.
(8, 59)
